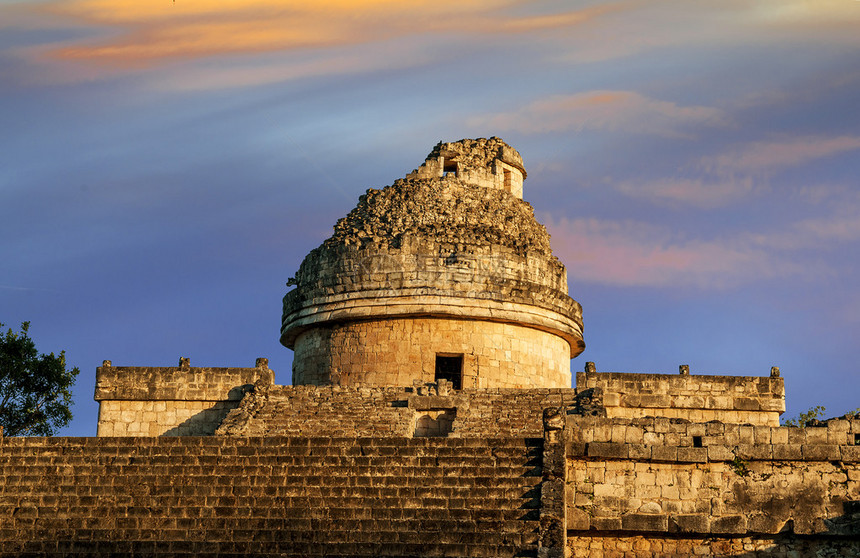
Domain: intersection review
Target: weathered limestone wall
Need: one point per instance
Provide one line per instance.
(675, 486)
(758, 546)
(171, 401)
(396, 352)
(698, 398)
(389, 411)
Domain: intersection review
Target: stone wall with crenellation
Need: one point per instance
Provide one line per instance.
(171, 401)
(699, 398)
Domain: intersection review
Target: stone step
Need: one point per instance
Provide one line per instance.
(89, 494)
(216, 445)
(297, 549)
(309, 476)
(249, 496)
(135, 514)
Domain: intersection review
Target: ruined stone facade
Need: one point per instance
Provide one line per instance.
(432, 415)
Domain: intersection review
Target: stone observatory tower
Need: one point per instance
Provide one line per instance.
(445, 274)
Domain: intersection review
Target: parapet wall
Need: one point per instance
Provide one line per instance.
(171, 401)
(698, 398)
(669, 487)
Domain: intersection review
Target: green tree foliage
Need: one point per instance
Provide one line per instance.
(803, 419)
(35, 390)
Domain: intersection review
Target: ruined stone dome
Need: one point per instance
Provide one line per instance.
(451, 239)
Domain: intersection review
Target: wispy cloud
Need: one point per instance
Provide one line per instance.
(612, 111)
(639, 253)
(630, 253)
(152, 33)
(740, 171)
(704, 193)
(777, 155)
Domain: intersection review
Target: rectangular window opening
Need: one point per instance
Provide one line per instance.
(697, 441)
(449, 167)
(857, 439)
(508, 182)
(450, 367)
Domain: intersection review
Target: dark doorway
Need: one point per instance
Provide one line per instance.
(450, 367)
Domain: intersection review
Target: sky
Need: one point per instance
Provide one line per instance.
(165, 166)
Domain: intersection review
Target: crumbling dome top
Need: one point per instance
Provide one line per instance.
(490, 163)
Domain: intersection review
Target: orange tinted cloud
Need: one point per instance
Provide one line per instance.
(621, 111)
(152, 32)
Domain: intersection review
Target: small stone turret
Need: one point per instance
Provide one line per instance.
(445, 274)
(490, 163)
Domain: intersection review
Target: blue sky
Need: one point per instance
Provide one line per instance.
(166, 165)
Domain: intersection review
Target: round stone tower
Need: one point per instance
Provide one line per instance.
(445, 274)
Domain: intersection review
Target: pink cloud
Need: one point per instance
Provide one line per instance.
(743, 170)
(637, 254)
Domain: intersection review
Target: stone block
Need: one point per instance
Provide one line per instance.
(578, 519)
(786, 452)
(664, 453)
(575, 449)
(728, 524)
(850, 453)
(779, 436)
(816, 435)
(639, 452)
(754, 452)
(719, 453)
(747, 404)
(692, 455)
(645, 522)
(765, 523)
(820, 452)
(607, 450)
(606, 523)
(689, 523)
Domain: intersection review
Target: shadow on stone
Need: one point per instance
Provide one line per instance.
(205, 422)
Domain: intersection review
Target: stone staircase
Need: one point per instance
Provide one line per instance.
(269, 496)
